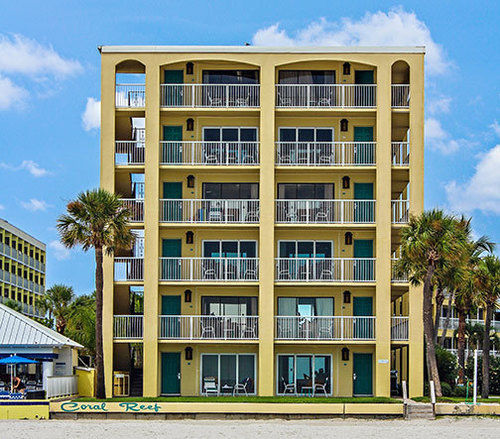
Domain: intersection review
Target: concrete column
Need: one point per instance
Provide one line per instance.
(266, 232)
(383, 233)
(151, 230)
(108, 183)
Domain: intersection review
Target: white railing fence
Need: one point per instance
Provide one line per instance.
(328, 95)
(129, 152)
(130, 96)
(325, 153)
(128, 326)
(325, 328)
(395, 277)
(400, 96)
(135, 207)
(399, 328)
(59, 386)
(400, 211)
(209, 153)
(210, 95)
(209, 269)
(453, 323)
(325, 211)
(400, 153)
(325, 269)
(209, 211)
(185, 327)
(129, 269)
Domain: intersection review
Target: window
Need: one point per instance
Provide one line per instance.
(304, 372)
(20, 247)
(230, 76)
(306, 191)
(306, 77)
(231, 191)
(41, 258)
(7, 240)
(305, 249)
(306, 306)
(306, 134)
(230, 134)
(230, 249)
(31, 253)
(227, 370)
(229, 306)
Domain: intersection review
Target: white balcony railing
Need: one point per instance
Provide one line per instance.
(128, 327)
(209, 153)
(453, 324)
(397, 278)
(400, 211)
(325, 328)
(326, 96)
(400, 96)
(325, 153)
(130, 96)
(209, 269)
(59, 386)
(129, 269)
(209, 211)
(325, 269)
(400, 153)
(209, 327)
(136, 208)
(399, 328)
(129, 153)
(325, 211)
(210, 95)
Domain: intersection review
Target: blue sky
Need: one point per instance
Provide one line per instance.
(49, 69)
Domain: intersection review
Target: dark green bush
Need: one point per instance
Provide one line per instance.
(494, 373)
(446, 389)
(447, 366)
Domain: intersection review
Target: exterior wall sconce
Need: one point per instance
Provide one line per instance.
(190, 124)
(189, 237)
(190, 181)
(345, 354)
(188, 296)
(346, 182)
(344, 125)
(189, 68)
(347, 68)
(348, 238)
(188, 353)
(347, 296)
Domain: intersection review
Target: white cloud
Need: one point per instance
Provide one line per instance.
(91, 117)
(481, 191)
(59, 250)
(495, 126)
(440, 105)
(437, 138)
(394, 28)
(29, 165)
(11, 95)
(35, 205)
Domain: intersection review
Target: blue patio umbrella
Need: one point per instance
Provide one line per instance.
(13, 361)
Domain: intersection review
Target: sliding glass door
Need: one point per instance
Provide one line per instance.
(304, 374)
(225, 370)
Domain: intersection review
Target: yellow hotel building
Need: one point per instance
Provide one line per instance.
(268, 188)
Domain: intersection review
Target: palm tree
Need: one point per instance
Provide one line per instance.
(489, 288)
(96, 219)
(81, 322)
(56, 301)
(432, 241)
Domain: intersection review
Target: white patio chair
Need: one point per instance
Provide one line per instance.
(207, 330)
(238, 387)
(210, 386)
(321, 387)
(322, 215)
(288, 387)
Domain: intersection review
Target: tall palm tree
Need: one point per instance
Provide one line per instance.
(489, 288)
(56, 301)
(432, 241)
(96, 219)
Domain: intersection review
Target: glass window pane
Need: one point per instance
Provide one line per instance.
(305, 249)
(323, 249)
(227, 373)
(230, 134)
(230, 191)
(322, 371)
(287, 249)
(246, 371)
(324, 306)
(285, 371)
(306, 134)
(287, 306)
(288, 134)
(324, 135)
(212, 191)
(209, 368)
(248, 249)
(211, 134)
(248, 134)
(305, 191)
(230, 249)
(211, 249)
(304, 372)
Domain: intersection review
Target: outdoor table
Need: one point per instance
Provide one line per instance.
(307, 391)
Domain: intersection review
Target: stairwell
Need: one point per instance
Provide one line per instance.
(417, 410)
(136, 382)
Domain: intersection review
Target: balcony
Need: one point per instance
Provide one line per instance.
(335, 328)
(209, 269)
(399, 328)
(400, 211)
(208, 327)
(129, 269)
(209, 153)
(325, 153)
(400, 153)
(453, 323)
(326, 96)
(130, 96)
(129, 153)
(395, 277)
(136, 208)
(210, 95)
(325, 211)
(400, 96)
(209, 211)
(128, 327)
(325, 270)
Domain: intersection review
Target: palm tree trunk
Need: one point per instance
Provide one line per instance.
(439, 306)
(462, 315)
(485, 390)
(99, 360)
(447, 320)
(429, 330)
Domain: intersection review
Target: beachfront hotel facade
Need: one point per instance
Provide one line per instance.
(22, 268)
(268, 189)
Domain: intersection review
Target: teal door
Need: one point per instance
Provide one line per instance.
(364, 96)
(364, 153)
(362, 307)
(171, 326)
(362, 374)
(171, 373)
(363, 212)
(173, 96)
(171, 152)
(172, 210)
(363, 76)
(171, 268)
(363, 270)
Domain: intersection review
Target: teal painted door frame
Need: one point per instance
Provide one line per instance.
(173, 96)
(171, 268)
(172, 210)
(171, 306)
(363, 270)
(172, 152)
(363, 212)
(362, 374)
(171, 373)
(365, 153)
(363, 307)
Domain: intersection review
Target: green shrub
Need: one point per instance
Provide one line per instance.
(494, 373)
(446, 389)
(447, 366)
(461, 391)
